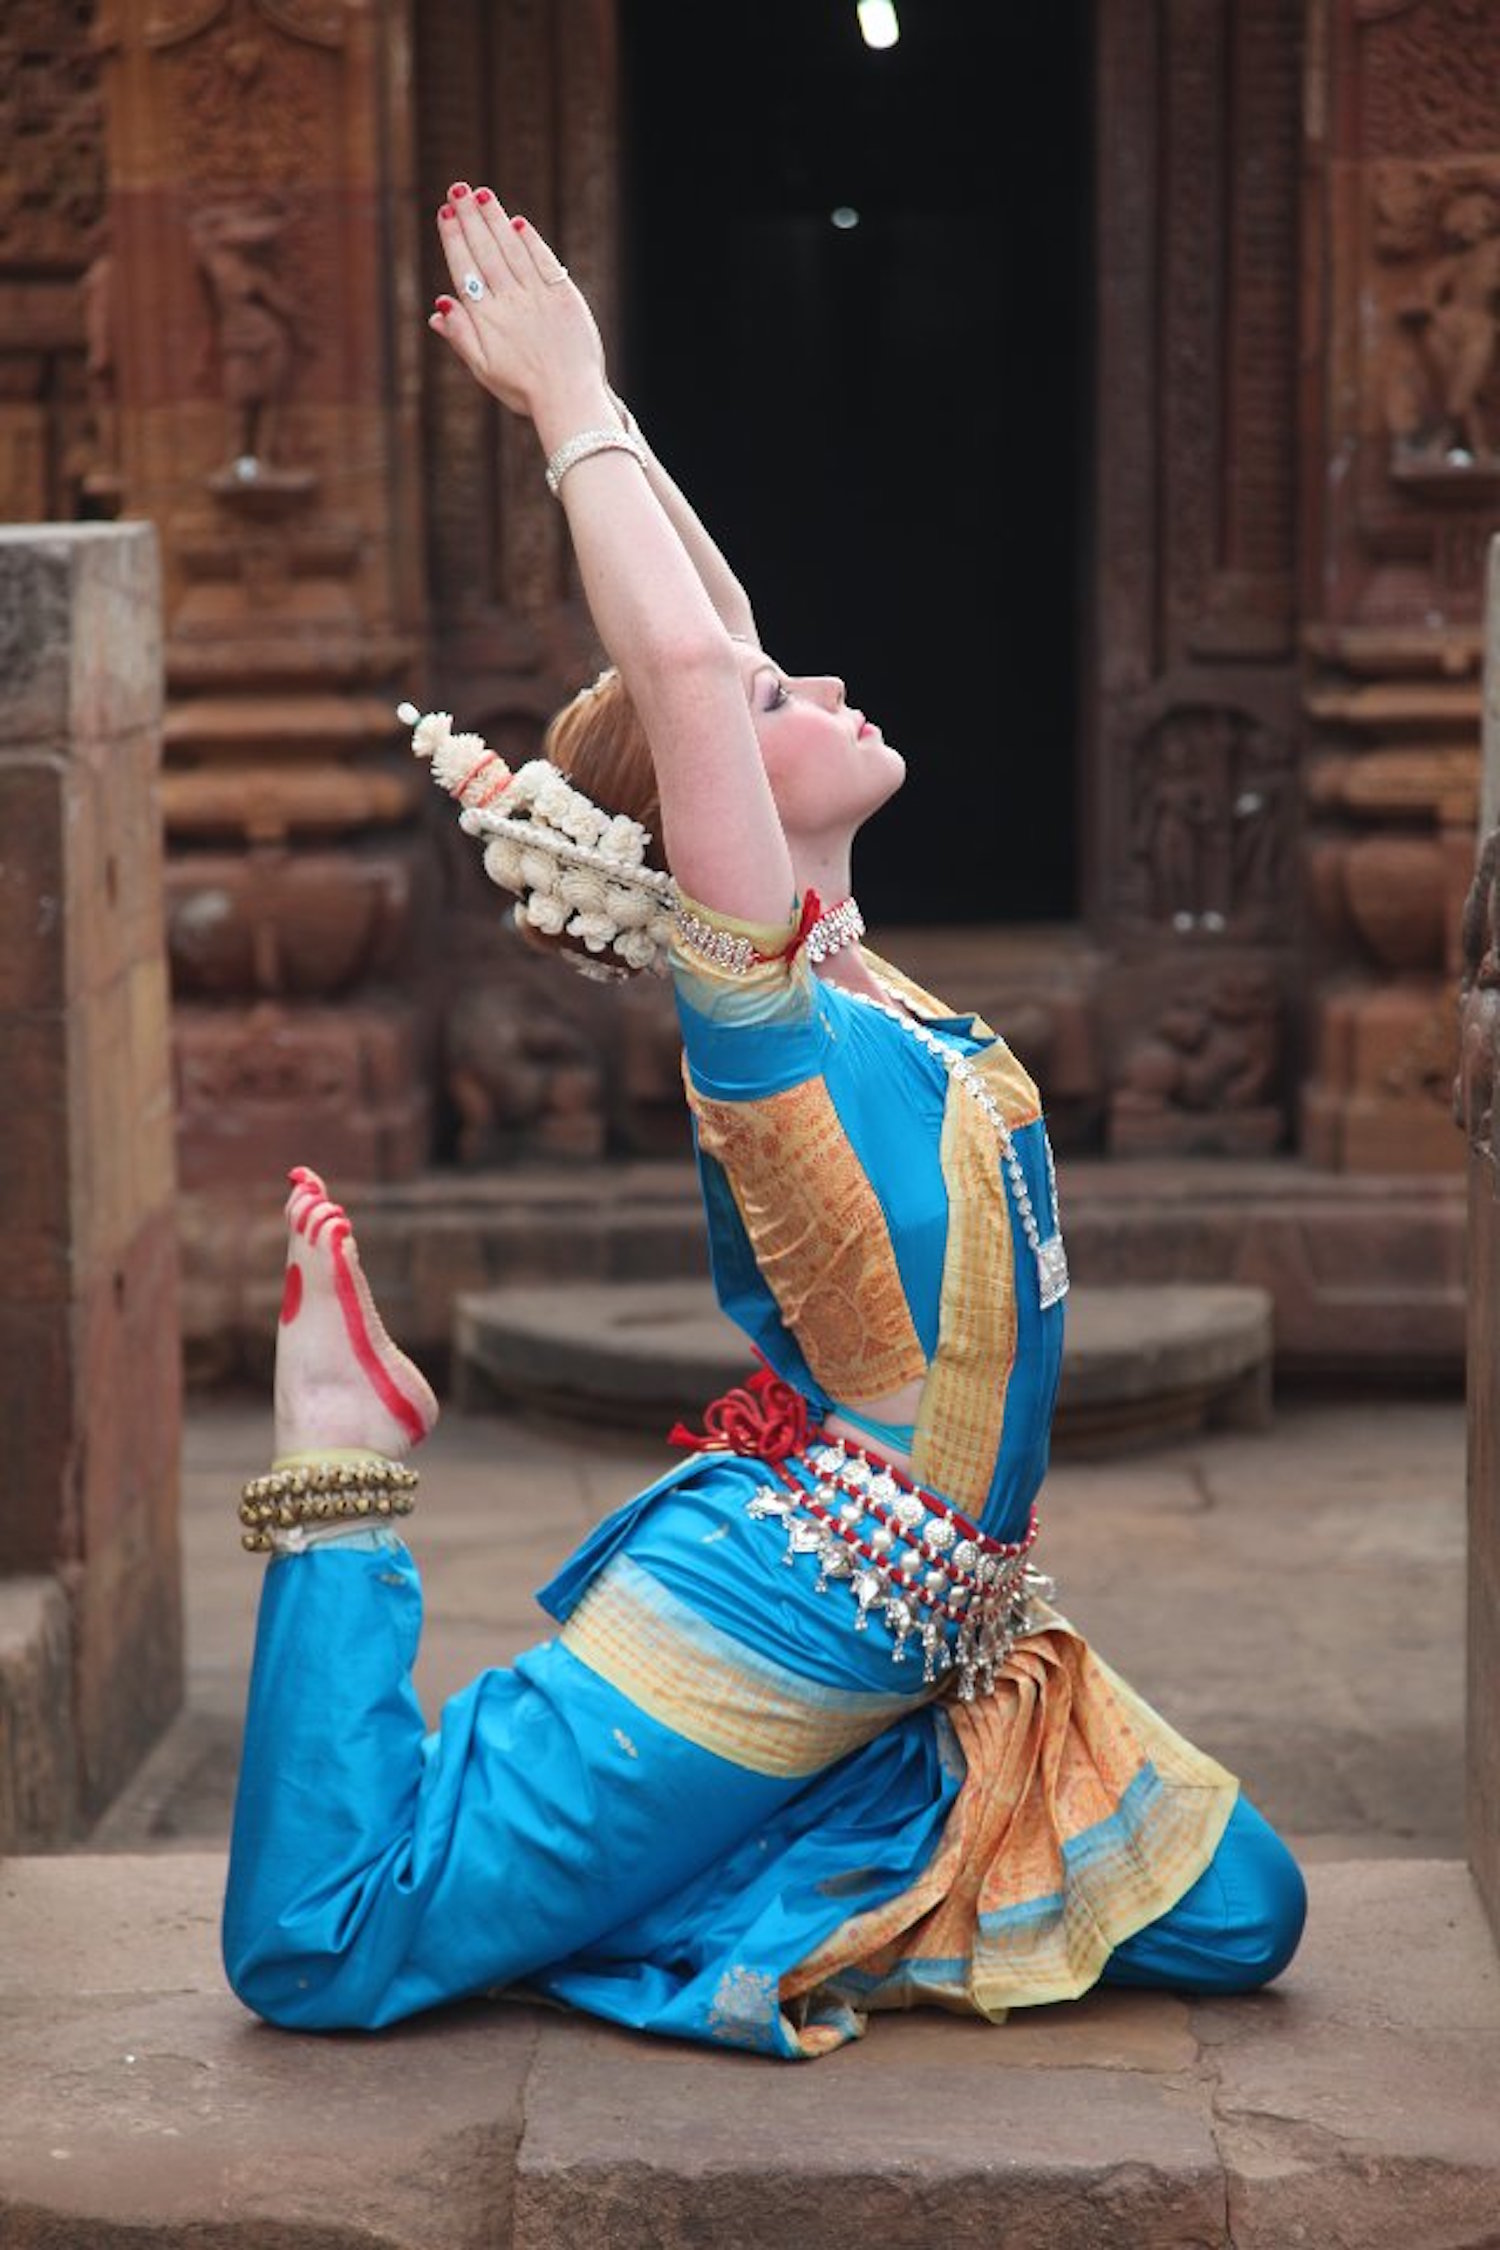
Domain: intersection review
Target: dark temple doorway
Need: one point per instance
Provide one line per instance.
(856, 325)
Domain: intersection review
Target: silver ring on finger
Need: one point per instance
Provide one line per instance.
(473, 287)
(554, 278)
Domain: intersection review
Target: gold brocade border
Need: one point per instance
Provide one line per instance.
(1039, 1875)
(685, 1673)
(818, 1234)
(962, 1415)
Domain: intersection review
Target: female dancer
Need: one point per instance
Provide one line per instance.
(809, 1740)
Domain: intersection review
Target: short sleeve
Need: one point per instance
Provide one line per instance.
(754, 1018)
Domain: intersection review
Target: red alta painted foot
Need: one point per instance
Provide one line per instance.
(340, 1381)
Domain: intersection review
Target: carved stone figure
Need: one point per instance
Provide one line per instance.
(1209, 820)
(1440, 364)
(255, 323)
(1205, 1075)
(1173, 829)
(515, 1073)
(99, 289)
(1212, 1049)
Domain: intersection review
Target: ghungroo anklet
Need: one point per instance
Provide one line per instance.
(320, 1494)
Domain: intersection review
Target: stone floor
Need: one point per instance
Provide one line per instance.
(1292, 1598)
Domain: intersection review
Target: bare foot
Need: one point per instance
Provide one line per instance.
(340, 1381)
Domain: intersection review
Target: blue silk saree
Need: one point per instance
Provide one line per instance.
(714, 1803)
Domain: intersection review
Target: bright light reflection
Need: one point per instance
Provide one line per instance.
(844, 216)
(877, 23)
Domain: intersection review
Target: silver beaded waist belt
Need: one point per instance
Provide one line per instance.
(930, 1575)
(906, 1556)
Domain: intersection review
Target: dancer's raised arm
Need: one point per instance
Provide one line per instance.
(723, 588)
(525, 333)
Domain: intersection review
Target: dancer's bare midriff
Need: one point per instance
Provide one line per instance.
(340, 1381)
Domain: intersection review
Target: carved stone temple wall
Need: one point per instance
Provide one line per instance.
(1300, 306)
(1193, 873)
(214, 262)
(1401, 421)
(262, 282)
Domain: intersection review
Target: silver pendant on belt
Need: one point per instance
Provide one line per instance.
(1052, 1270)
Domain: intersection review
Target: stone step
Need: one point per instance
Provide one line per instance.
(1141, 1363)
(1351, 2107)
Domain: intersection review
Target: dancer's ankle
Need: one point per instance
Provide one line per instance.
(333, 1457)
(301, 1498)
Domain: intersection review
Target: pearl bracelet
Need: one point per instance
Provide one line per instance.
(576, 449)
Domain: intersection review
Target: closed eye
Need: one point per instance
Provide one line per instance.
(768, 688)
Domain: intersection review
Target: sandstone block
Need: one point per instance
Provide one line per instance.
(1483, 1699)
(973, 2154)
(37, 1767)
(142, 2103)
(32, 962)
(260, 1089)
(1346, 2098)
(80, 649)
(38, 1493)
(305, 923)
(34, 1136)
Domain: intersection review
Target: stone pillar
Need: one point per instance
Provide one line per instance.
(1403, 445)
(89, 1360)
(1479, 1048)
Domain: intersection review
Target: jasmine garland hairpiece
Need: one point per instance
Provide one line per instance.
(578, 870)
(582, 871)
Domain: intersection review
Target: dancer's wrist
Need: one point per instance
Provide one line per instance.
(626, 419)
(564, 412)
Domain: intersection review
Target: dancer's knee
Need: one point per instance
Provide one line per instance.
(292, 1991)
(311, 1992)
(304, 1976)
(1235, 1930)
(1268, 1897)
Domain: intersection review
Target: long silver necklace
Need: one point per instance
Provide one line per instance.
(1049, 1252)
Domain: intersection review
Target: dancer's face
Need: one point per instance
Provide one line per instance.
(828, 765)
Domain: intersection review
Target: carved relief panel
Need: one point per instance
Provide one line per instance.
(263, 416)
(55, 342)
(1212, 824)
(1404, 342)
(1196, 814)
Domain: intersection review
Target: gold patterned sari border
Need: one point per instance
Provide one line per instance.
(712, 1689)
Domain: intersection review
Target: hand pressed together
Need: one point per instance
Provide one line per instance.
(526, 333)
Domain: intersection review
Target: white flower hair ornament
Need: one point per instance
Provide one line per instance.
(578, 870)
